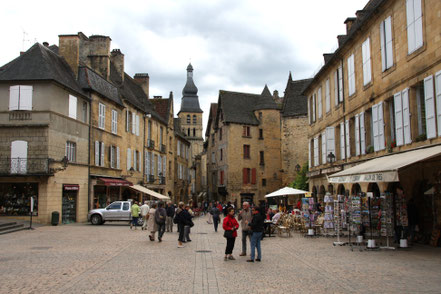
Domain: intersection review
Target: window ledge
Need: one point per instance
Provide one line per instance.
(367, 86)
(417, 52)
(389, 71)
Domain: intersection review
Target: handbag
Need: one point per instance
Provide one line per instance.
(228, 234)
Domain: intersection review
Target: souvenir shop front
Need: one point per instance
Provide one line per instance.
(395, 197)
(108, 190)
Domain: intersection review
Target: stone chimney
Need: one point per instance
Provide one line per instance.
(171, 95)
(117, 58)
(143, 80)
(349, 22)
(45, 44)
(361, 14)
(69, 48)
(276, 94)
(99, 54)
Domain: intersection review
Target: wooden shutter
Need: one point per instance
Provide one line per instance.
(129, 158)
(253, 176)
(319, 102)
(327, 96)
(97, 153)
(366, 52)
(245, 176)
(340, 83)
(330, 140)
(117, 158)
(221, 177)
(362, 134)
(72, 106)
(25, 102)
(14, 96)
(316, 152)
(430, 107)
(383, 47)
(102, 154)
(438, 100)
(406, 116)
(309, 153)
(342, 141)
(336, 87)
(139, 162)
(19, 155)
(133, 123)
(314, 97)
(137, 125)
(127, 121)
(164, 164)
(357, 134)
(398, 119)
(381, 141)
(388, 41)
(348, 141)
(111, 155)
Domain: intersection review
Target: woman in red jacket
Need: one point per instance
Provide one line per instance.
(230, 226)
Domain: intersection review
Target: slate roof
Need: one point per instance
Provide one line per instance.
(190, 100)
(211, 117)
(266, 100)
(40, 63)
(177, 129)
(162, 107)
(368, 11)
(294, 102)
(90, 80)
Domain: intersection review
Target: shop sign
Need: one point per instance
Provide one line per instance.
(308, 194)
(71, 187)
(366, 178)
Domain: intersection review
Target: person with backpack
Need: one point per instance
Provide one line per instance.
(189, 223)
(160, 216)
(180, 219)
(170, 214)
(216, 216)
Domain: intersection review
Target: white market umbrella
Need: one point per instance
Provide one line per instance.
(285, 192)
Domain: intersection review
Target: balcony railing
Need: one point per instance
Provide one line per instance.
(151, 179)
(25, 166)
(162, 149)
(20, 115)
(162, 180)
(150, 144)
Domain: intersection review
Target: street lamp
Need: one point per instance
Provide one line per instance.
(297, 167)
(331, 157)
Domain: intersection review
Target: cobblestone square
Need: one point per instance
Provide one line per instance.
(82, 258)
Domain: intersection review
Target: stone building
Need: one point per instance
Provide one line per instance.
(210, 148)
(375, 106)
(45, 118)
(244, 141)
(294, 129)
(182, 159)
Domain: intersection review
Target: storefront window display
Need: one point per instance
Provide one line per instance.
(15, 198)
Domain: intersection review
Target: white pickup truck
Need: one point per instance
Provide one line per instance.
(115, 211)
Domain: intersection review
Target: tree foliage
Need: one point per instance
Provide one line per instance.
(301, 181)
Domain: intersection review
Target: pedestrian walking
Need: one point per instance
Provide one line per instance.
(230, 226)
(210, 215)
(216, 216)
(144, 212)
(134, 211)
(151, 224)
(170, 214)
(160, 216)
(245, 217)
(181, 218)
(256, 226)
(188, 224)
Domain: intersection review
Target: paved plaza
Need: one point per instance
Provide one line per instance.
(82, 258)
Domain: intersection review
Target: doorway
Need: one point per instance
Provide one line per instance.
(69, 204)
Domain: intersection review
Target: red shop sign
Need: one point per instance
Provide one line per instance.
(71, 187)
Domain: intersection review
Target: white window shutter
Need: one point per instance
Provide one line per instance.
(129, 158)
(375, 126)
(159, 164)
(324, 159)
(97, 153)
(319, 100)
(309, 110)
(418, 24)
(112, 164)
(316, 152)
(336, 87)
(406, 116)
(135, 160)
(362, 134)
(19, 155)
(118, 166)
(14, 94)
(340, 83)
(366, 53)
(137, 125)
(383, 46)
(102, 154)
(410, 26)
(438, 100)
(148, 163)
(342, 141)
(330, 141)
(133, 123)
(380, 126)
(430, 107)
(348, 139)
(72, 107)
(309, 153)
(127, 120)
(357, 134)
(164, 165)
(25, 98)
(398, 119)
(389, 48)
(313, 106)
(327, 96)
(153, 164)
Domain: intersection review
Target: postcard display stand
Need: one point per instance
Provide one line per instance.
(354, 228)
(328, 224)
(386, 219)
(308, 208)
(339, 218)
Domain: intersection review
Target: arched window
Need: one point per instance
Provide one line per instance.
(194, 132)
(188, 119)
(195, 120)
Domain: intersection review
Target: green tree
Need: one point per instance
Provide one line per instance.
(301, 181)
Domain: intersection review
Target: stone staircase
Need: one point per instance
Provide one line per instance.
(10, 227)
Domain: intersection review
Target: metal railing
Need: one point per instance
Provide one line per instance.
(151, 178)
(162, 180)
(162, 148)
(24, 166)
(150, 144)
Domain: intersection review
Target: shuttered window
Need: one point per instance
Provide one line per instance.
(330, 141)
(398, 119)
(357, 134)
(137, 125)
(72, 107)
(342, 141)
(101, 116)
(362, 134)
(133, 123)
(351, 75)
(118, 166)
(319, 102)
(19, 155)
(316, 151)
(20, 97)
(129, 158)
(378, 126)
(114, 121)
(323, 138)
(366, 53)
(430, 107)
(309, 153)
(99, 153)
(386, 43)
(313, 107)
(338, 86)
(348, 139)
(414, 25)
(146, 163)
(438, 100)
(253, 176)
(164, 165)
(327, 96)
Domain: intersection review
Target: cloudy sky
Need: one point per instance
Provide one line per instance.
(237, 45)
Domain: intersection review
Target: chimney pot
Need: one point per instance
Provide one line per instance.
(349, 22)
(46, 44)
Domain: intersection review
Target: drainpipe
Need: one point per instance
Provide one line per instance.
(88, 156)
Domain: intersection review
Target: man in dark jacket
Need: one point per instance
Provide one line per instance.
(170, 214)
(256, 226)
(216, 216)
(160, 217)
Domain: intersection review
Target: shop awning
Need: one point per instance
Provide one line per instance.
(383, 169)
(149, 192)
(114, 182)
(285, 192)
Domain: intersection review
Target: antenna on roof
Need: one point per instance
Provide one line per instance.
(24, 39)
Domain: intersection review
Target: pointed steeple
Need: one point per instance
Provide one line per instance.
(266, 91)
(190, 100)
(290, 77)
